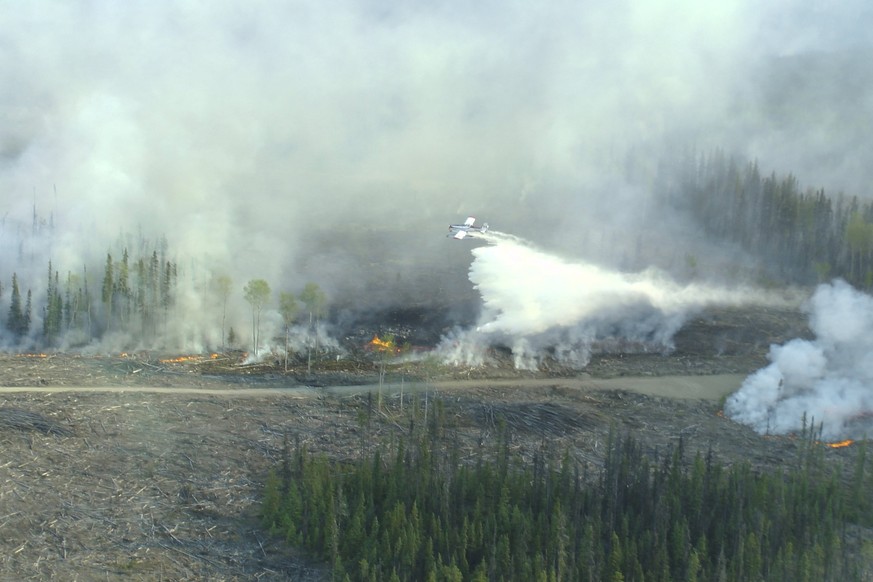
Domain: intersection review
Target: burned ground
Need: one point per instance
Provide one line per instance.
(159, 476)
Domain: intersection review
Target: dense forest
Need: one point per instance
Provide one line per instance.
(801, 236)
(415, 511)
(132, 295)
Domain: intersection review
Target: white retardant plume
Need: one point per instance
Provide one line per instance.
(827, 380)
(538, 304)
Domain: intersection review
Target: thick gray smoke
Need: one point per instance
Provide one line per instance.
(254, 134)
(541, 305)
(827, 380)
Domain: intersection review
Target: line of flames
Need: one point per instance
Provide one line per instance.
(182, 359)
(840, 444)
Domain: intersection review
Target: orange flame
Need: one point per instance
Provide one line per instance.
(840, 444)
(180, 359)
(383, 346)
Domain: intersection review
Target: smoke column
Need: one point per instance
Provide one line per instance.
(828, 379)
(539, 304)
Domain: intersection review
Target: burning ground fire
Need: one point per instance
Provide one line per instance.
(182, 359)
(383, 345)
(840, 444)
(834, 445)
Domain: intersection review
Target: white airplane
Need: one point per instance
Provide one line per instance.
(460, 231)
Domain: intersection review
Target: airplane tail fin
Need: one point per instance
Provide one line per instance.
(484, 227)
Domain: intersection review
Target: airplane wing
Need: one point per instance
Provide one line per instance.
(460, 234)
(470, 220)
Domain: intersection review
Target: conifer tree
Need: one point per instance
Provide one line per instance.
(121, 288)
(154, 286)
(25, 326)
(15, 321)
(505, 523)
(53, 316)
(108, 288)
(141, 303)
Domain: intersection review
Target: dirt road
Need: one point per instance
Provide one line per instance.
(712, 387)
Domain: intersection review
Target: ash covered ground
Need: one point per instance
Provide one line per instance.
(159, 475)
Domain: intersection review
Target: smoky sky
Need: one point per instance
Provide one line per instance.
(257, 135)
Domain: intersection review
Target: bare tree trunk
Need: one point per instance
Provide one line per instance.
(223, 321)
(381, 379)
(256, 324)
(309, 347)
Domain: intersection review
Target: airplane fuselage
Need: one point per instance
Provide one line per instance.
(460, 231)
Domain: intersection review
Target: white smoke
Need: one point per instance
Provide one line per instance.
(828, 380)
(303, 341)
(295, 141)
(538, 304)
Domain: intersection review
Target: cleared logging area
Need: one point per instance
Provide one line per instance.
(101, 486)
(150, 486)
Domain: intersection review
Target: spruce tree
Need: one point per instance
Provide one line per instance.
(54, 309)
(108, 288)
(15, 321)
(25, 325)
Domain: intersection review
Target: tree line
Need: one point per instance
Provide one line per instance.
(136, 296)
(801, 235)
(415, 511)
